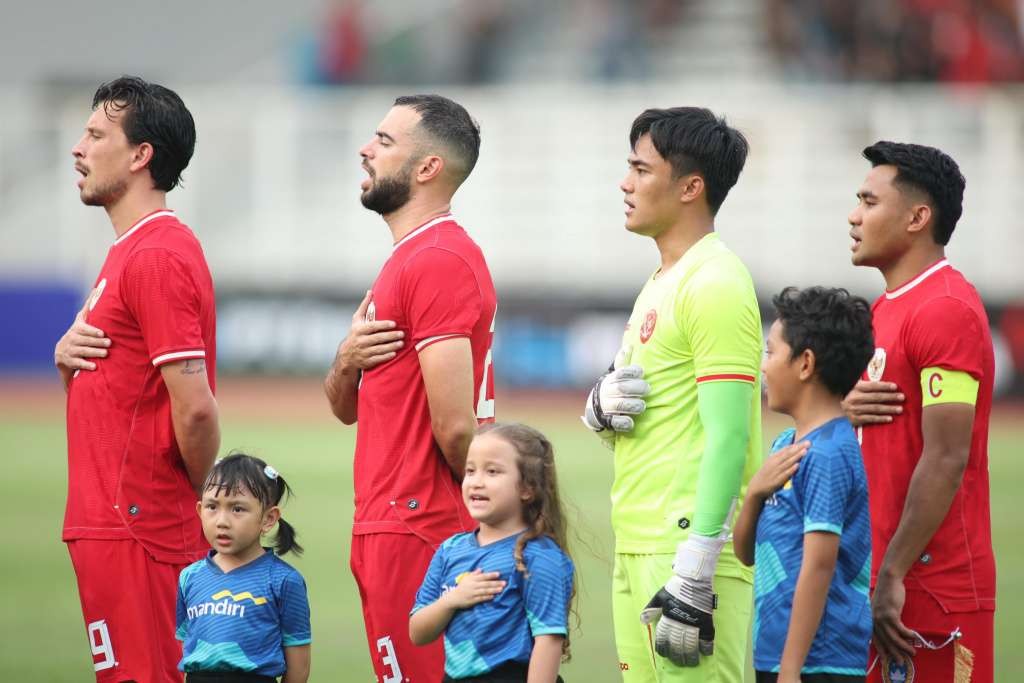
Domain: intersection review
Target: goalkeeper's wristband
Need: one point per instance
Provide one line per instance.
(697, 556)
(595, 406)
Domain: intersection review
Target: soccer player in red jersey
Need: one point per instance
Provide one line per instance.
(923, 412)
(138, 367)
(415, 371)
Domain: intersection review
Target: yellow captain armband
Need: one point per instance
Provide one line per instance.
(940, 385)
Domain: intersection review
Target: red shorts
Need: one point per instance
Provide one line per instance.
(967, 659)
(128, 601)
(389, 569)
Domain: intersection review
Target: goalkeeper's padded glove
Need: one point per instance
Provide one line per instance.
(686, 629)
(615, 399)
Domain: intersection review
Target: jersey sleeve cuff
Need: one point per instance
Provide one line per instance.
(810, 526)
(549, 631)
(424, 343)
(294, 641)
(726, 377)
(177, 355)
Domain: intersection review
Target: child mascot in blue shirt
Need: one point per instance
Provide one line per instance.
(805, 516)
(501, 595)
(243, 613)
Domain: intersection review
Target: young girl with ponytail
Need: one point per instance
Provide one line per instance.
(243, 613)
(501, 594)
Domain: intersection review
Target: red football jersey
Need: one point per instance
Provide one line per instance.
(935, 320)
(435, 286)
(126, 479)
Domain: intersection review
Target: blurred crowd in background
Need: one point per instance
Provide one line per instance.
(972, 41)
(480, 41)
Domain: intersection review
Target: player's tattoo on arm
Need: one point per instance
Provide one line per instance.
(194, 366)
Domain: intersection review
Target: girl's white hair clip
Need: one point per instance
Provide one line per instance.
(270, 472)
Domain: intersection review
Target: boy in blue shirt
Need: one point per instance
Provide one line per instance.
(805, 518)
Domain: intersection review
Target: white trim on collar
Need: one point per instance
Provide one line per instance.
(423, 228)
(917, 280)
(151, 217)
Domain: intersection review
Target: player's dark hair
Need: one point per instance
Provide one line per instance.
(237, 472)
(834, 325)
(543, 512)
(694, 140)
(929, 171)
(448, 125)
(154, 114)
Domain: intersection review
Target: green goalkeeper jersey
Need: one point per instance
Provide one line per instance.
(697, 322)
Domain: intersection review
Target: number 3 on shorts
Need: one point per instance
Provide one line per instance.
(99, 643)
(484, 405)
(389, 660)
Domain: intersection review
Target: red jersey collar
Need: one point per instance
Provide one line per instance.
(149, 217)
(935, 267)
(423, 228)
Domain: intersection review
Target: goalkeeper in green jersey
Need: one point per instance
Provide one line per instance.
(681, 407)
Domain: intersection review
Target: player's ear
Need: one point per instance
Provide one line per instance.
(429, 168)
(808, 362)
(199, 508)
(141, 156)
(270, 517)
(690, 188)
(920, 218)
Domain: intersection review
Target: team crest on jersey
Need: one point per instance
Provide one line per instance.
(94, 298)
(647, 329)
(893, 672)
(877, 365)
(371, 312)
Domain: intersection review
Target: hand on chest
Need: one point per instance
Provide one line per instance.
(503, 563)
(385, 305)
(107, 311)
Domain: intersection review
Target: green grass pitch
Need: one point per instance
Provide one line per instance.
(44, 638)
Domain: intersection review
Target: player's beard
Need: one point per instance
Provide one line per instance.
(387, 195)
(105, 194)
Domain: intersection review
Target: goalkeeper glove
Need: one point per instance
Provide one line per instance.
(615, 399)
(686, 629)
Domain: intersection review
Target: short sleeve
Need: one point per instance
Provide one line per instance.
(946, 333)
(180, 616)
(162, 295)
(293, 608)
(547, 590)
(824, 483)
(430, 589)
(440, 296)
(718, 312)
(181, 609)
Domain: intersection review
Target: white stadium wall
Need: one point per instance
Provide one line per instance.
(273, 189)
